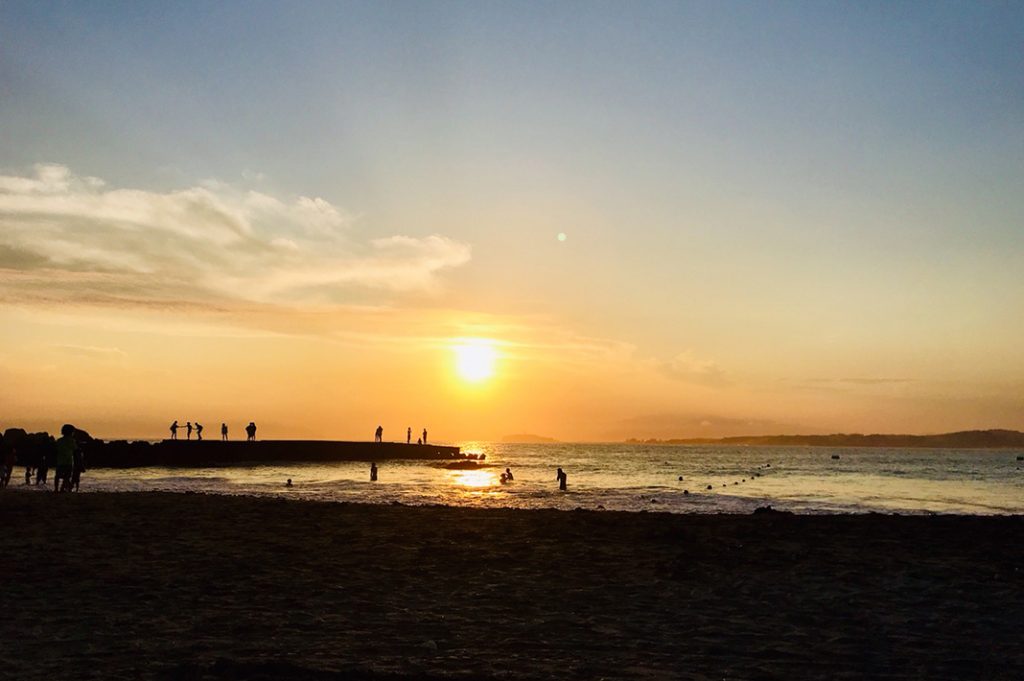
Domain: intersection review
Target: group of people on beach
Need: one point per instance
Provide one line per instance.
(250, 431)
(65, 455)
(378, 436)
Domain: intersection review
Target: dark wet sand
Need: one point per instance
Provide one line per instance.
(125, 586)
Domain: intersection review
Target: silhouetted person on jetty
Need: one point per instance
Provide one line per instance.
(250, 432)
(424, 436)
(65, 459)
(508, 472)
(562, 478)
(408, 435)
(378, 436)
(188, 430)
(373, 472)
(199, 431)
(224, 432)
(174, 430)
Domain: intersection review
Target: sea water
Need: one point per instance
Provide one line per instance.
(630, 477)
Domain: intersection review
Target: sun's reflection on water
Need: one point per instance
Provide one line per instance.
(477, 479)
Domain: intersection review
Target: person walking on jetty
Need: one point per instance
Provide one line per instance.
(250, 432)
(424, 436)
(562, 479)
(378, 436)
(174, 430)
(188, 430)
(373, 472)
(66, 447)
(408, 435)
(224, 432)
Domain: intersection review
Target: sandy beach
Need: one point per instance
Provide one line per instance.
(167, 586)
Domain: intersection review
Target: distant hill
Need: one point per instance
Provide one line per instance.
(527, 438)
(965, 439)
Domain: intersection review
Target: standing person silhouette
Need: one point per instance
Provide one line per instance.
(250, 432)
(174, 430)
(224, 432)
(424, 436)
(77, 468)
(188, 430)
(378, 436)
(199, 431)
(373, 472)
(562, 479)
(408, 435)
(66, 447)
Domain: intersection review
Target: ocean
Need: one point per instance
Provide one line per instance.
(627, 477)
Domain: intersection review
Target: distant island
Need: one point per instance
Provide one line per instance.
(965, 439)
(527, 438)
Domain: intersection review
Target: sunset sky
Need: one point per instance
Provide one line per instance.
(638, 219)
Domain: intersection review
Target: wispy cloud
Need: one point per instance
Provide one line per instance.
(75, 238)
(92, 351)
(691, 369)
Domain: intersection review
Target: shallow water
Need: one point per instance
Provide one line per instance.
(635, 478)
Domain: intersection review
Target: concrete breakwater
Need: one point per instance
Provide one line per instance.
(216, 453)
(33, 448)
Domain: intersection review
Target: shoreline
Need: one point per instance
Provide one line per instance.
(196, 586)
(286, 496)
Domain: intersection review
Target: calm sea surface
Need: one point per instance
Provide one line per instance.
(635, 478)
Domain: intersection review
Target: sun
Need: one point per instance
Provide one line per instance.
(474, 359)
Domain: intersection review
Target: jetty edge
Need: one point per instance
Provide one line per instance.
(98, 453)
(191, 453)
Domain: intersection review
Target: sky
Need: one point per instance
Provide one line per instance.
(644, 219)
